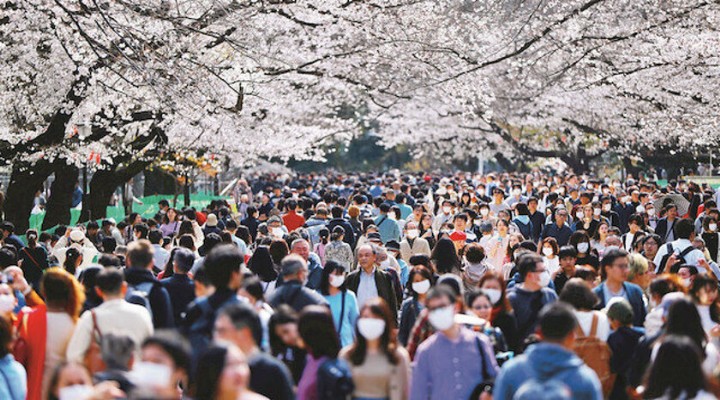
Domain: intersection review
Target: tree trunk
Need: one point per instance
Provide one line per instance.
(102, 187)
(61, 193)
(25, 181)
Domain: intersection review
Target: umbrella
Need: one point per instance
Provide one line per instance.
(683, 205)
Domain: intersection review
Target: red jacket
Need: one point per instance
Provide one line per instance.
(293, 220)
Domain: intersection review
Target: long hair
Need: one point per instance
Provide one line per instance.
(683, 319)
(209, 369)
(62, 290)
(388, 341)
(704, 281)
(261, 264)
(445, 256)
(676, 369)
(71, 257)
(330, 267)
(278, 250)
(317, 330)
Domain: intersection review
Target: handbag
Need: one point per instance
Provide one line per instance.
(488, 381)
(93, 355)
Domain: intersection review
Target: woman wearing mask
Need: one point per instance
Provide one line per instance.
(343, 303)
(380, 368)
(474, 265)
(581, 241)
(585, 220)
(711, 236)
(33, 259)
(421, 280)
(73, 381)
(170, 352)
(501, 315)
(550, 250)
(39, 349)
(223, 374)
(479, 303)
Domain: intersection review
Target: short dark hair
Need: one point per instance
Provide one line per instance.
(92, 225)
(611, 255)
(384, 207)
(164, 203)
(220, 264)
(567, 251)
(577, 293)
(557, 321)
(336, 212)
(684, 228)
(108, 244)
(527, 262)
(173, 344)
(109, 280)
(142, 228)
(155, 236)
(244, 316)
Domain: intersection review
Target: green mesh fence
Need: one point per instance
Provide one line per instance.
(147, 209)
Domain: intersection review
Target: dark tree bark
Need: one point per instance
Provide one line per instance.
(103, 185)
(25, 181)
(60, 201)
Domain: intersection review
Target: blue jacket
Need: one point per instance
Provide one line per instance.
(388, 229)
(633, 294)
(13, 380)
(543, 362)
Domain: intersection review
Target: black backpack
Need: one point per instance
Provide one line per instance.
(334, 380)
(680, 257)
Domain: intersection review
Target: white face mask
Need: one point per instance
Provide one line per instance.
(650, 212)
(7, 303)
(337, 280)
(447, 209)
(517, 192)
(278, 232)
(412, 233)
(639, 209)
(579, 215)
(712, 227)
(149, 374)
(606, 207)
(371, 328)
(583, 247)
(548, 251)
(75, 392)
(493, 294)
(484, 212)
(442, 318)
(597, 212)
(421, 287)
(544, 279)
(687, 282)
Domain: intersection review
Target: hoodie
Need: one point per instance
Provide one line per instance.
(543, 362)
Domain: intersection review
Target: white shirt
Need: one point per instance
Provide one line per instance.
(679, 246)
(113, 316)
(585, 318)
(366, 289)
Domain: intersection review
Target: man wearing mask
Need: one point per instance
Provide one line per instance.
(444, 216)
(413, 244)
(454, 360)
(532, 294)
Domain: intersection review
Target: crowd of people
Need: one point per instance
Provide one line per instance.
(391, 286)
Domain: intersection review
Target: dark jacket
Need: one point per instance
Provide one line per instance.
(349, 237)
(633, 294)
(538, 221)
(252, 224)
(270, 377)
(661, 229)
(622, 342)
(408, 315)
(297, 296)
(562, 235)
(182, 292)
(162, 311)
(384, 284)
